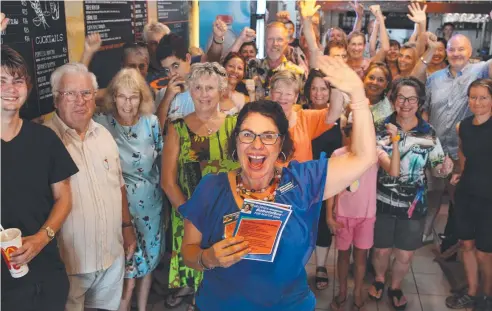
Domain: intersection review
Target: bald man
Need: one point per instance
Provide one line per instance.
(446, 105)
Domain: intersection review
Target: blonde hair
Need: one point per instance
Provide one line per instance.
(129, 79)
(199, 70)
(287, 77)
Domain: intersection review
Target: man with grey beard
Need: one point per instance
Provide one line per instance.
(261, 70)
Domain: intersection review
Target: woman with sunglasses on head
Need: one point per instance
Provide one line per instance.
(127, 115)
(195, 146)
(473, 198)
(401, 204)
(233, 101)
(260, 139)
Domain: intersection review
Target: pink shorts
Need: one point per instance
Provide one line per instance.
(357, 231)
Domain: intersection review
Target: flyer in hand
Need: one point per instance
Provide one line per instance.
(261, 224)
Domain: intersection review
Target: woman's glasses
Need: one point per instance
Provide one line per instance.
(249, 137)
(412, 100)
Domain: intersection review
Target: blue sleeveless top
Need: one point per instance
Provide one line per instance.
(253, 285)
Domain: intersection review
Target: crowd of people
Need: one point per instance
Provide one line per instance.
(366, 134)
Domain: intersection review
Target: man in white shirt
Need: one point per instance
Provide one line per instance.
(98, 233)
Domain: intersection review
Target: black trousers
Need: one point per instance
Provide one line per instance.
(50, 294)
(324, 233)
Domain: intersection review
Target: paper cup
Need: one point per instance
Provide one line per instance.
(11, 240)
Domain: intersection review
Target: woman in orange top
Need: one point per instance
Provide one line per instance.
(304, 125)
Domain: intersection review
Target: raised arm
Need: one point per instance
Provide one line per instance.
(344, 170)
(336, 106)
(91, 46)
(420, 69)
(383, 35)
(3, 22)
(373, 39)
(247, 35)
(308, 9)
(359, 15)
(214, 52)
(419, 17)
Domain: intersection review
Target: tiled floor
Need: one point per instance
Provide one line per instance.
(425, 286)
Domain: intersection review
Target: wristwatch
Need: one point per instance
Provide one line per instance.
(49, 232)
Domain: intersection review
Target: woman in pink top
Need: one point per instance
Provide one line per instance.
(355, 217)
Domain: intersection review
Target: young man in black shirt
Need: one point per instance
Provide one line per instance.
(36, 196)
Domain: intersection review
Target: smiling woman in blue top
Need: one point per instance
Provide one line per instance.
(259, 141)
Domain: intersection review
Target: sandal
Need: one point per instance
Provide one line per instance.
(177, 298)
(378, 286)
(336, 304)
(398, 294)
(321, 279)
(356, 307)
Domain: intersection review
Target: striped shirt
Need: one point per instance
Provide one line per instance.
(447, 101)
(91, 237)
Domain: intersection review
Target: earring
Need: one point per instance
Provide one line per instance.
(285, 157)
(232, 155)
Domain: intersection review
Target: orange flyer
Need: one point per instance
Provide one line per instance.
(260, 233)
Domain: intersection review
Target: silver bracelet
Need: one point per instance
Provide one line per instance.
(200, 261)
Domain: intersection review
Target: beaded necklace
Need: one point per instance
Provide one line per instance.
(252, 193)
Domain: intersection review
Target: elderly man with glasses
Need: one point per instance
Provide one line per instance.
(98, 233)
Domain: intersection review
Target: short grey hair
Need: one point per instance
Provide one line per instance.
(154, 27)
(58, 74)
(214, 69)
(287, 77)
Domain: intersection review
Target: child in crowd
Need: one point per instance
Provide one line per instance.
(355, 210)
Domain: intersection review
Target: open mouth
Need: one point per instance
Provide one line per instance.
(10, 98)
(256, 161)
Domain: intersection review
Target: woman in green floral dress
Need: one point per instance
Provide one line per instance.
(194, 146)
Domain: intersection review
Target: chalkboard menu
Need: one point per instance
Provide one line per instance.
(118, 22)
(175, 14)
(37, 30)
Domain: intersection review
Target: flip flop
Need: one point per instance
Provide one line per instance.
(379, 286)
(336, 304)
(178, 299)
(398, 294)
(321, 279)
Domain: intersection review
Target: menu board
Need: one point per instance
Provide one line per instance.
(117, 22)
(37, 30)
(140, 18)
(175, 14)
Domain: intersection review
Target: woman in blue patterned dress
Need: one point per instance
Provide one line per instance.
(127, 115)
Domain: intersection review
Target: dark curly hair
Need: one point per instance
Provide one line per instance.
(269, 109)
